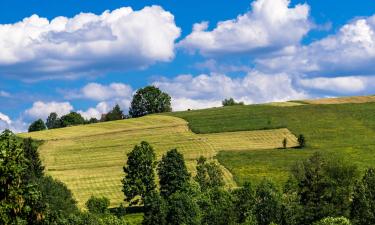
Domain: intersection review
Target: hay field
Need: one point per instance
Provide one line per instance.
(89, 159)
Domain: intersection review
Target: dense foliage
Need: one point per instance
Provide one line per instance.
(231, 102)
(37, 125)
(115, 114)
(149, 100)
(139, 173)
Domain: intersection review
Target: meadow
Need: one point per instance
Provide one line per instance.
(338, 130)
(90, 158)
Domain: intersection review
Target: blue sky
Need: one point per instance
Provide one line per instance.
(72, 55)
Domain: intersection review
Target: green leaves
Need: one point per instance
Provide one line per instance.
(139, 173)
(149, 100)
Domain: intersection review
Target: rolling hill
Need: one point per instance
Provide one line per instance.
(89, 159)
(245, 140)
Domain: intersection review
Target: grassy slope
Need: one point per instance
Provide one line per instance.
(347, 129)
(89, 158)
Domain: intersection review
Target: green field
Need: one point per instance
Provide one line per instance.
(89, 159)
(344, 129)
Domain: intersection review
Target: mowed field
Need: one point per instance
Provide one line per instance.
(338, 130)
(90, 158)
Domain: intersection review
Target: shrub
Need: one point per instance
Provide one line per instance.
(333, 221)
(231, 102)
(97, 205)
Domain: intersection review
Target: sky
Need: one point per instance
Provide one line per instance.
(86, 56)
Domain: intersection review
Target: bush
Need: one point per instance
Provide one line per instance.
(301, 141)
(97, 205)
(333, 221)
(37, 125)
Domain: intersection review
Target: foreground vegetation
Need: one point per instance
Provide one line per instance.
(343, 129)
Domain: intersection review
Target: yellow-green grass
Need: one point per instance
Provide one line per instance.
(342, 100)
(89, 159)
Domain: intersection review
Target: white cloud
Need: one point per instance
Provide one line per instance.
(100, 92)
(4, 118)
(123, 39)
(271, 24)
(349, 52)
(340, 85)
(204, 91)
(43, 109)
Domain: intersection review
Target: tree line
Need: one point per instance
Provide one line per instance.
(145, 101)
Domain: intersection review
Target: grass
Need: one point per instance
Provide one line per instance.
(344, 129)
(89, 159)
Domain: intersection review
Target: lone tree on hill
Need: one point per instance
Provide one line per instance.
(173, 174)
(37, 125)
(149, 100)
(301, 141)
(139, 173)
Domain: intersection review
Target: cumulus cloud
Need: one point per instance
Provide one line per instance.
(340, 85)
(118, 40)
(100, 92)
(349, 52)
(43, 109)
(189, 92)
(271, 24)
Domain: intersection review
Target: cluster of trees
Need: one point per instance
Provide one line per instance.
(320, 191)
(231, 102)
(146, 101)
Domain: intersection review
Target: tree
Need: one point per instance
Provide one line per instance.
(333, 221)
(115, 114)
(324, 187)
(209, 174)
(267, 203)
(139, 172)
(217, 207)
(285, 143)
(72, 119)
(231, 102)
(155, 209)
(363, 205)
(244, 201)
(17, 195)
(35, 168)
(301, 141)
(37, 125)
(57, 198)
(183, 209)
(173, 174)
(149, 100)
(97, 205)
(53, 121)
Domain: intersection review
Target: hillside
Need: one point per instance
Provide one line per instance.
(89, 159)
(344, 129)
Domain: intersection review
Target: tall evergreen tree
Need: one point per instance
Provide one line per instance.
(139, 172)
(173, 174)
